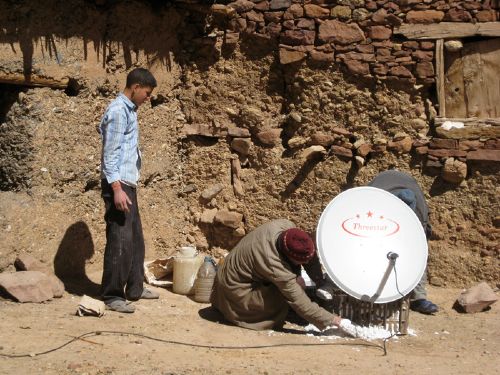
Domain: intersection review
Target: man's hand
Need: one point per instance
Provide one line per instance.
(121, 199)
(301, 282)
(336, 321)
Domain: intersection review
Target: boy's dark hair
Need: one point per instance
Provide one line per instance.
(141, 76)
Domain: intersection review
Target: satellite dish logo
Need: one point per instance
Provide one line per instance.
(370, 225)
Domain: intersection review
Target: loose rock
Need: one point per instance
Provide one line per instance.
(477, 298)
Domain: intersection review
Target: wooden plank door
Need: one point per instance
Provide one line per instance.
(472, 80)
(454, 89)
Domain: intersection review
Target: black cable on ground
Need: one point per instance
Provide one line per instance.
(216, 347)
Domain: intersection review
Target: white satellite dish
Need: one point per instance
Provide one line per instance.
(372, 245)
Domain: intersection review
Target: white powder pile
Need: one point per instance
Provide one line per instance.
(327, 334)
(347, 328)
(412, 332)
(365, 333)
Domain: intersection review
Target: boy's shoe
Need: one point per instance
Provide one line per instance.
(149, 294)
(119, 305)
(423, 306)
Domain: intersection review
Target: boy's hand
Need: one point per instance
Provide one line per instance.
(121, 199)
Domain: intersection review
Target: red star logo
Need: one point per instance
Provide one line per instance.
(369, 214)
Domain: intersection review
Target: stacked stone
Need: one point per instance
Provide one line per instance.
(451, 156)
(347, 145)
(448, 157)
(449, 11)
(357, 33)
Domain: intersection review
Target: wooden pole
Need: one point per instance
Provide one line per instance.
(440, 77)
(33, 80)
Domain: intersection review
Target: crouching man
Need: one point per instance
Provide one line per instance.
(406, 188)
(259, 279)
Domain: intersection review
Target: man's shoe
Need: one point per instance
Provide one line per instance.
(149, 294)
(423, 306)
(326, 291)
(119, 305)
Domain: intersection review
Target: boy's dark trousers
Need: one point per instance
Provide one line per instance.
(123, 272)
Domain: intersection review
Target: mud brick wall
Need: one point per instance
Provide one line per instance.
(356, 33)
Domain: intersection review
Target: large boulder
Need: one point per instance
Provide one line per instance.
(25, 262)
(477, 298)
(27, 286)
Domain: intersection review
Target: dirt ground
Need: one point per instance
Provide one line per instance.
(446, 343)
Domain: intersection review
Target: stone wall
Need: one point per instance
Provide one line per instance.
(356, 33)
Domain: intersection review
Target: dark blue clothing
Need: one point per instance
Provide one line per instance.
(395, 182)
(407, 189)
(123, 272)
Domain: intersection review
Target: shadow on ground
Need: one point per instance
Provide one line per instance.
(75, 249)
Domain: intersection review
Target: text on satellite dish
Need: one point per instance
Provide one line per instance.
(370, 225)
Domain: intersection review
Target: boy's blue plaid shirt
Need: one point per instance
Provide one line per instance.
(121, 157)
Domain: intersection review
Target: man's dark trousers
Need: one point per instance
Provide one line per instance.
(123, 272)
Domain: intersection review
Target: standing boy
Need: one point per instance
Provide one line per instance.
(123, 272)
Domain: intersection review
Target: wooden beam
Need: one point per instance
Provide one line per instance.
(446, 30)
(440, 77)
(474, 128)
(469, 121)
(33, 80)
